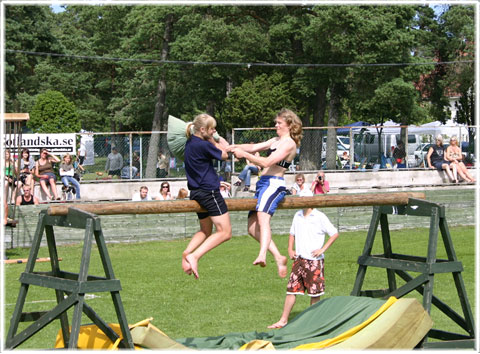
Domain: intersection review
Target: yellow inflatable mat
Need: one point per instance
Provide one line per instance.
(344, 322)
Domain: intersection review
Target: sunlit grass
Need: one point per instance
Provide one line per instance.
(231, 294)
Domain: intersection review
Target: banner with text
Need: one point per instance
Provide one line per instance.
(55, 143)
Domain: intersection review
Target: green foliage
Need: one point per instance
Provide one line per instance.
(256, 102)
(122, 95)
(54, 113)
(26, 28)
(397, 100)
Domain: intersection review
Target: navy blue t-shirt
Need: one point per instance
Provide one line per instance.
(199, 169)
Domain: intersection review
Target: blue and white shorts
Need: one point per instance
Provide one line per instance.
(270, 190)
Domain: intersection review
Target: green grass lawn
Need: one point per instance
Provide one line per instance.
(231, 294)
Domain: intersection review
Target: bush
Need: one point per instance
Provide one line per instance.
(54, 113)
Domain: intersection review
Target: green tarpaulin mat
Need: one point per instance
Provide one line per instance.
(324, 320)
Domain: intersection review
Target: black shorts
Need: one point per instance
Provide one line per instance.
(115, 172)
(211, 200)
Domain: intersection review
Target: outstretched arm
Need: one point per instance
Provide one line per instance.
(222, 145)
(253, 148)
(281, 153)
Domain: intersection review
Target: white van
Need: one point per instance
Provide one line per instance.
(366, 144)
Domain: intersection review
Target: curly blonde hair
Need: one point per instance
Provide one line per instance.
(294, 123)
(201, 120)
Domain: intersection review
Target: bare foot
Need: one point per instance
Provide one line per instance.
(193, 264)
(279, 324)
(187, 268)
(260, 260)
(282, 266)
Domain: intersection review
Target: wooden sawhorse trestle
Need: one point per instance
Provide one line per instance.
(400, 265)
(70, 288)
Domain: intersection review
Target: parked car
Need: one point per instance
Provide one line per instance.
(340, 150)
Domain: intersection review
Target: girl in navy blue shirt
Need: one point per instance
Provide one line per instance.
(204, 185)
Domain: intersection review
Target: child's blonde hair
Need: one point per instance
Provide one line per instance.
(67, 155)
(202, 120)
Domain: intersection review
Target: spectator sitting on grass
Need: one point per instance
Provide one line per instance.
(128, 172)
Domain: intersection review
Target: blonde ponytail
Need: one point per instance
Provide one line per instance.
(189, 130)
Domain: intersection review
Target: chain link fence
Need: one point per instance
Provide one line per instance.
(349, 148)
(360, 148)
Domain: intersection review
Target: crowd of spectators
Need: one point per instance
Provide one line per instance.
(28, 171)
(163, 194)
(20, 177)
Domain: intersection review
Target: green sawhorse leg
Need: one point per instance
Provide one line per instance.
(70, 288)
(401, 265)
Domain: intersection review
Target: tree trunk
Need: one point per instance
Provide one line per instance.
(311, 156)
(333, 114)
(158, 116)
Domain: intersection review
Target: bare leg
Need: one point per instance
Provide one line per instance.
(449, 172)
(43, 184)
(263, 220)
(314, 300)
(31, 182)
(254, 231)
(53, 187)
(461, 172)
(455, 174)
(223, 233)
(464, 168)
(197, 239)
(287, 308)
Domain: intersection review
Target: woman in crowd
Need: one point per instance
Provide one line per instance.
(270, 188)
(436, 159)
(299, 185)
(454, 155)
(27, 167)
(44, 172)
(10, 175)
(67, 173)
(164, 192)
(204, 186)
(320, 185)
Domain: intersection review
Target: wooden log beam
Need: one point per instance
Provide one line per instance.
(237, 204)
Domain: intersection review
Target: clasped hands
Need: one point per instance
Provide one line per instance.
(237, 151)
